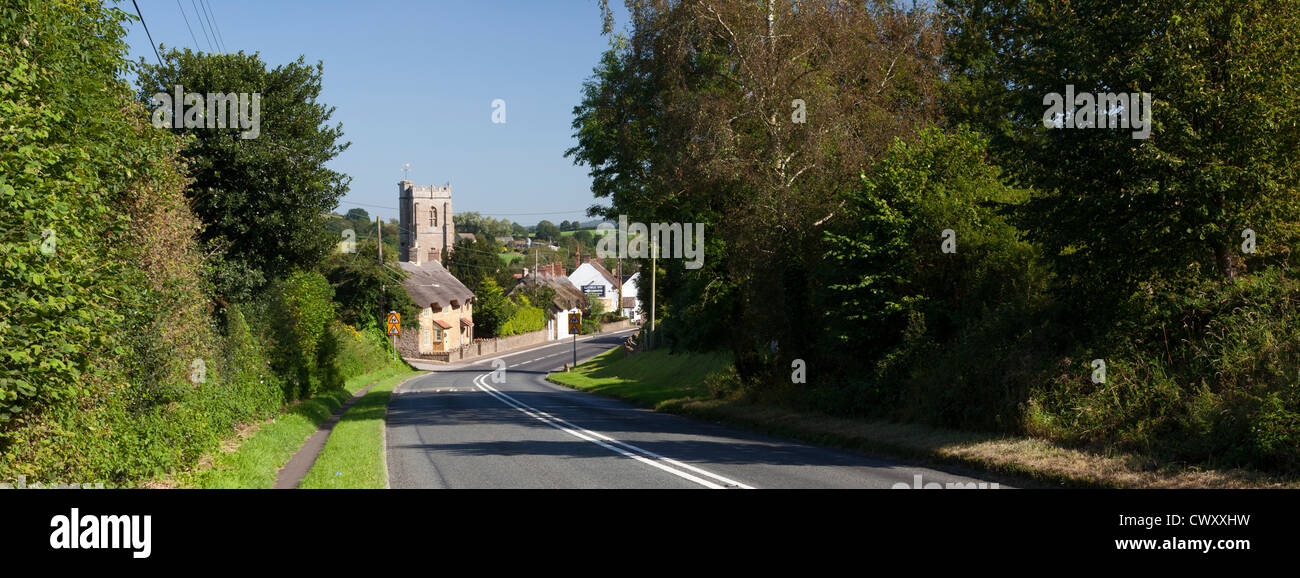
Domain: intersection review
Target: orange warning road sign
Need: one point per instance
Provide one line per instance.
(394, 323)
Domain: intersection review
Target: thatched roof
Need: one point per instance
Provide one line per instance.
(431, 283)
(567, 295)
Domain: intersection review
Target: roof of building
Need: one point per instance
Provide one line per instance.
(555, 269)
(567, 295)
(431, 283)
(469, 236)
(609, 277)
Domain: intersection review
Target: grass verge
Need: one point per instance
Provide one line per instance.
(675, 384)
(253, 458)
(354, 455)
(651, 379)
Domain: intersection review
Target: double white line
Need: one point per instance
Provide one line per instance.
(622, 448)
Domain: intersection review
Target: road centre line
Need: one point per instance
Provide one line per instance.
(641, 455)
(555, 344)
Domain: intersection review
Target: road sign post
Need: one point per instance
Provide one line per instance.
(575, 326)
(394, 329)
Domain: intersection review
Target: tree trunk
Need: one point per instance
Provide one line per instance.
(1223, 258)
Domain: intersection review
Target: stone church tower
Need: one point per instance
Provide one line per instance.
(427, 232)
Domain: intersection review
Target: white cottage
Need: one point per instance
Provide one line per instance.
(594, 279)
(631, 306)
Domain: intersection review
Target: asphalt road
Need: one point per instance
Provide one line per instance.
(463, 427)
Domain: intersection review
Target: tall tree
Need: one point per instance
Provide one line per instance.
(491, 309)
(263, 199)
(547, 230)
(473, 261)
(361, 285)
(746, 117)
(1117, 212)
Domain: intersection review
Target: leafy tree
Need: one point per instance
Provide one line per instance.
(1117, 213)
(547, 230)
(476, 224)
(358, 215)
(262, 199)
(491, 308)
(525, 317)
(303, 310)
(362, 285)
(97, 238)
(886, 274)
(473, 261)
(743, 117)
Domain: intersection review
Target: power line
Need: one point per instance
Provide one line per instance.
(213, 31)
(205, 30)
(212, 23)
(453, 248)
(147, 34)
(368, 205)
(484, 213)
(187, 24)
(536, 212)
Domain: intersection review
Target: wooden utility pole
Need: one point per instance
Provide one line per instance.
(654, 273)
(383, 287)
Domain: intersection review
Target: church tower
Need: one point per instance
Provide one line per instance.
(427, 232)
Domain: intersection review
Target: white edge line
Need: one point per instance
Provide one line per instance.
(592, 436)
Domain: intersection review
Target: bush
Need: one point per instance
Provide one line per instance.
(360, 351)
(113, 366)
(72, 150)
(935, 334)
(301, 310)
(526, 318)
(725, 383)
(1205, 374)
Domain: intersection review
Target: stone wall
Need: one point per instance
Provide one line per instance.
(409, 347)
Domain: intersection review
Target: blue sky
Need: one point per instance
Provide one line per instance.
(414, 82)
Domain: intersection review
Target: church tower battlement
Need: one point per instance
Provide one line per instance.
(427, 232)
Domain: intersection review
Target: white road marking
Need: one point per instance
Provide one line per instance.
(641, 455)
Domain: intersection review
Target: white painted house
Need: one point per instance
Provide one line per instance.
(593, 279)
(631, 306)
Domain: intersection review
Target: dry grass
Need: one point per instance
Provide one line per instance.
(242, 432)
(1036, 460)
(229, 446)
